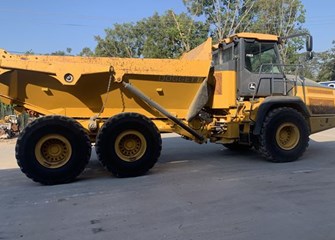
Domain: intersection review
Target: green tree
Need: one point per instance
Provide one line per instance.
(166, 36)
(282, 18)
(170, 35)
(122, 40)
(67, 52)
(30, 52)
(327, 65)
(86, 52)
(279, 17)
(58, 53)
(225, 17)
(312, 67)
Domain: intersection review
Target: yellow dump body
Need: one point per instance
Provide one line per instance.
(320, 102)
(80, 87)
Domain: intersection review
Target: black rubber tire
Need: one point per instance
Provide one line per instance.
(268, 145)
(68, 128)
(107, 150)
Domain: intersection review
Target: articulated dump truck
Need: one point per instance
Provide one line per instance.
(236, 93)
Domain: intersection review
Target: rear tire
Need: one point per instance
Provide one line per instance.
(284, 136)
(128, 145)
(53, 150)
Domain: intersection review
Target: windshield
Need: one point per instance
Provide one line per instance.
(258, 54)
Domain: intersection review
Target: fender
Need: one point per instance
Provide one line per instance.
(278, 101)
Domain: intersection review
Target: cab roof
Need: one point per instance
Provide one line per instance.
(257, 36)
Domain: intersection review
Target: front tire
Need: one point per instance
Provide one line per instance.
(53, 150)
(128, 145)
(284, 136)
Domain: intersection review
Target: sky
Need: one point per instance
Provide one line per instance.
(45, 26)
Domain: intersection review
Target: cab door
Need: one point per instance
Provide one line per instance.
(260, 72)
(225, 74)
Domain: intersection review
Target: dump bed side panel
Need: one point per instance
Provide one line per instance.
(170, 83)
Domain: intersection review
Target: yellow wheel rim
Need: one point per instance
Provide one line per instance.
(53, 151)
(130, 146)
(287, 136)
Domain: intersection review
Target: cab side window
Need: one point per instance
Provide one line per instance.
(227, 55)
(221, 56)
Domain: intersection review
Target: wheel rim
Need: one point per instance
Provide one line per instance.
(287, 136)
(53, 151)
(130, 146)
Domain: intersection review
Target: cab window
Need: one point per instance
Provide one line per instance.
(227, 55)
(222, 56)
(261, 57)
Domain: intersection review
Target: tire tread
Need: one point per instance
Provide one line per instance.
(30, 128)
(262, 138)
(109, 123)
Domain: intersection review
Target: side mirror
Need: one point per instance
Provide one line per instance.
(309, 43)
(309, 55)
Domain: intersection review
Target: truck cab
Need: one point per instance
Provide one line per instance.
(263, 102)
(248, 65)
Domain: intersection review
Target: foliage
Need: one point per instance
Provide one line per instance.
(225, 17)
(5, 110)
(86, 52)
(58, 53)
(322, 67)
(61, 53)
(327, 65)
(279, 17)
(282, 18)
(180, 33)
(166, 36)
(312, 67)
(120, 41)
(30, 52)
